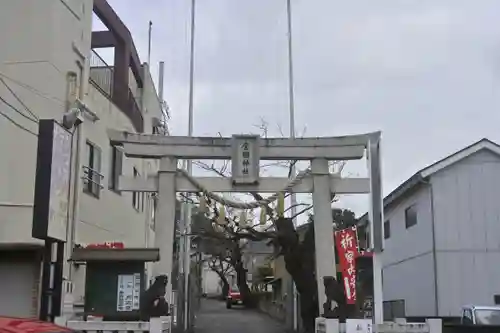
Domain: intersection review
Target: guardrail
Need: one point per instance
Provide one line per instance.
(155, 325)
(324, 325)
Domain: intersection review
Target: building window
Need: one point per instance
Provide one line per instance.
(394, 309)
(136, 195)
(116, 167)
(467, 317)
(387, 229)
(496, 299)
(410, 216)
(153, 213)
(92, 171)
(79, 80)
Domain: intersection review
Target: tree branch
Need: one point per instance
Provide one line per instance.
(308, 208)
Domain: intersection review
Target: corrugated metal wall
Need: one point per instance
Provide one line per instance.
(467, 217)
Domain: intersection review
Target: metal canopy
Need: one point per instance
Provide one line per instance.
(98, 254)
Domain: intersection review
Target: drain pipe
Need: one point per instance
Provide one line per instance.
(74, 91)
(434, 252)
(76, 195)
(77, 169)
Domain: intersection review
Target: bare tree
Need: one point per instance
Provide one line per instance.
(222, 268)
(224, 242)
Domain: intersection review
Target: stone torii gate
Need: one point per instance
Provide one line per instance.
(245, 152)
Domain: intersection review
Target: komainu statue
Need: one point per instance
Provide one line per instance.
(153, 303)
(334, 292)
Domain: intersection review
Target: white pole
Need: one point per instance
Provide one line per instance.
(291, 105)
(161, 75)
(164, 112)
(149, 42)
(191, 72)
(187, 219)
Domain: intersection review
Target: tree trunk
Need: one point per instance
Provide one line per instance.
(241, 278)
(300, 263)
(225, 285)
(221, 273)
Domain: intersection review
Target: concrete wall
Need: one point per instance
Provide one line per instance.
(467, 216)
(50, 39)
(210, 282)
(408, 271)
(112, 216)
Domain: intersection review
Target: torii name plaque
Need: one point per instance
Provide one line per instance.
(245, 159)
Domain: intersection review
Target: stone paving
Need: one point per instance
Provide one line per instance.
(215, 318)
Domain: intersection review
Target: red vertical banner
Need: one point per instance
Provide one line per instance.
(346, 242)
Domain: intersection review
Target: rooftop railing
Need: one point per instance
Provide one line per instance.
(101, 74)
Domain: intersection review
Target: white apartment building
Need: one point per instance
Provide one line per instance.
(47, 60)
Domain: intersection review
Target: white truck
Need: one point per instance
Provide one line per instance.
(480, 315)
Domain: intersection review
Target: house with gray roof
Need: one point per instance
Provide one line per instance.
(442, 236)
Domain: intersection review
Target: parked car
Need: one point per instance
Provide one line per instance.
(481, 315)
(23, 325)
(233, 297)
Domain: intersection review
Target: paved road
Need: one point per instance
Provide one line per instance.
(215, 318)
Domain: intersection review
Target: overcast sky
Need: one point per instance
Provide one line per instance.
(424, 72)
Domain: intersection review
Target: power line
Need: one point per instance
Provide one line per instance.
(18, 98)
(12, 121)
(16, 110)
(34, 90)
(17, 124)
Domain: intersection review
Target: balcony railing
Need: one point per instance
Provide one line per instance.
(92, 181)
(102, 77)
(134, 111)
(101, 74)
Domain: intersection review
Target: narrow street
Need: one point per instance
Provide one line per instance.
(215, 318)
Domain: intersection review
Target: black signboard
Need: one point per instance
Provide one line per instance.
(52, 182)
(364, 285)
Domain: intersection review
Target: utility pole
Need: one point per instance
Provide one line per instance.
(189, 166)
(291, 106)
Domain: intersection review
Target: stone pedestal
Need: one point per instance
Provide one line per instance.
(325, 325)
